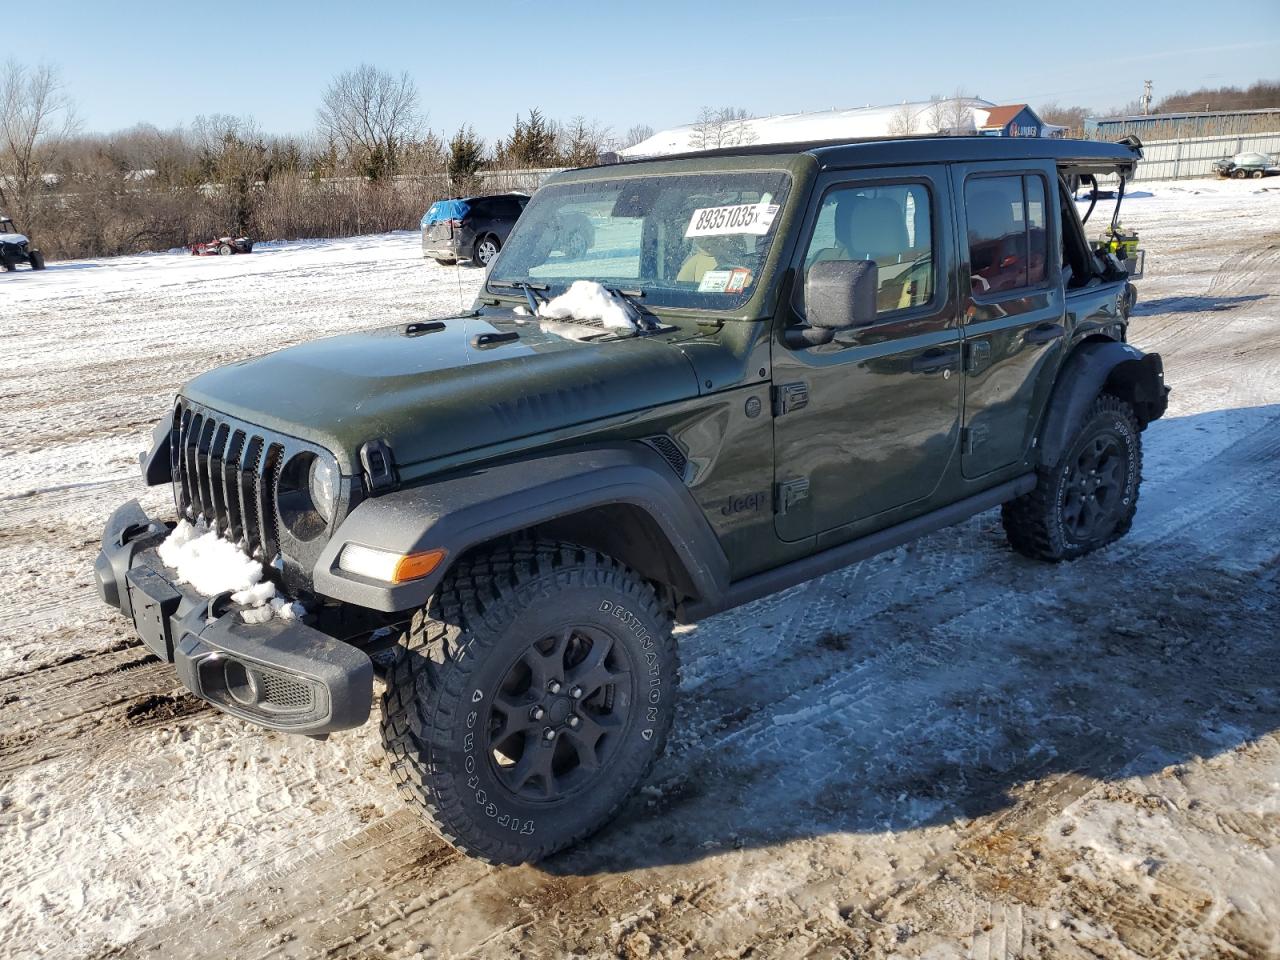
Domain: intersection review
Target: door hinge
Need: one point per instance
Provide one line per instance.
(790, 396)
(977, 356)
(791, 492)
(972, 437)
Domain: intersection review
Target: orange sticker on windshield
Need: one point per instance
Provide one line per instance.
(739, 280)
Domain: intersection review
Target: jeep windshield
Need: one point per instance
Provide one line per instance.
(694, 241)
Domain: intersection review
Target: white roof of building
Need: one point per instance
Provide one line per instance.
(823, 125)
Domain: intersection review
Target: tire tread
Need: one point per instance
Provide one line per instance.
(1026, 519)
(431, 665)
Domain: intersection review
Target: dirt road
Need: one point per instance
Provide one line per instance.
(862, 765)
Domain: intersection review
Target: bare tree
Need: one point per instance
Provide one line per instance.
(903, 121)
(958, 115)
(637, 134)
(234, 159)
(582, 141)
(726, 127)
(370, 115)
(36, 117)
(1070, 117)
(936, 114)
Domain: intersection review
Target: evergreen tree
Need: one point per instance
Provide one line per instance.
(466, 154)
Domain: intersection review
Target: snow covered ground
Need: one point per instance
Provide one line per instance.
(862, 765)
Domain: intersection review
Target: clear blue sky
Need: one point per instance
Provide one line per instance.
(646, 61)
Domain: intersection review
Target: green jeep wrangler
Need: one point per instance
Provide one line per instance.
(769, 363)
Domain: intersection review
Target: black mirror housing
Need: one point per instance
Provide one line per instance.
(841, 294)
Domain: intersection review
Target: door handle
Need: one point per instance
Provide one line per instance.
(935, 361)
(1044, 333)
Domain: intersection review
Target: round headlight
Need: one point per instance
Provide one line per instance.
(323, 484)
(307, 494)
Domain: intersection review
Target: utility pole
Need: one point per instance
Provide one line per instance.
(1146, 97)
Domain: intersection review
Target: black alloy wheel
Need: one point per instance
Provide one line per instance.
(1095, 483)
(559, 714)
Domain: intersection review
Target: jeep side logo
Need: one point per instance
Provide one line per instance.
(750, 502)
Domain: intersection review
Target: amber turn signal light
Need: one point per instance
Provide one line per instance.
(414, 566)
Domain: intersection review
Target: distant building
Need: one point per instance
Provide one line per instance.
(964, 116)
(1183, 126)
(1016, 120)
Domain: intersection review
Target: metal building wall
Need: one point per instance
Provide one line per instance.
(1194, 157)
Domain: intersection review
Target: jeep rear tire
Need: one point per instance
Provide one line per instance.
(1087, 499)
(529, 698)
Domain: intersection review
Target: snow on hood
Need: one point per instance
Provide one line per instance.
(588, 300)
(12, 238)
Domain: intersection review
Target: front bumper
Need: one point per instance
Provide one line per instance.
(283, 675)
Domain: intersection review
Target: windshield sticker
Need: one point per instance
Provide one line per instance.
(748, 218)
(739, 280)
(715, 281)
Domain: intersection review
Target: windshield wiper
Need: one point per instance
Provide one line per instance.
(642, 320)
(532, 291)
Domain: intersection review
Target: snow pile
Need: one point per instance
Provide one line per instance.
(214, 565)
(588, 300)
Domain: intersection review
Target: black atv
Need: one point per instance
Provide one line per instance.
(15, 248)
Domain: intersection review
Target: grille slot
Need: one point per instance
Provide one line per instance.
(225, 473)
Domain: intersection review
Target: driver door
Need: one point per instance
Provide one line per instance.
(869, 422)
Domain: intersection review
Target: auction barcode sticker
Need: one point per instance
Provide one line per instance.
(751, 218)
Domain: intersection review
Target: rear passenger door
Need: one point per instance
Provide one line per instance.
(1013, 319)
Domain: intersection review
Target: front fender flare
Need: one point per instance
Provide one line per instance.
(463, 510)
(1095, 366)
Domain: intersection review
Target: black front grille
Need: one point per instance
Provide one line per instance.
(225, 473)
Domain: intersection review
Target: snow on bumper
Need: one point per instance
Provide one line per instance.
(279, 674)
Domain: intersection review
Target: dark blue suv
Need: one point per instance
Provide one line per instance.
(474, 228)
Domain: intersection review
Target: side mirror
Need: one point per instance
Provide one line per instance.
(841, 294)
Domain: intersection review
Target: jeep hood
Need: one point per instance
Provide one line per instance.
(12, 238)
(437, 388)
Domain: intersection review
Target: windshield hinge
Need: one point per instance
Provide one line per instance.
(379, 467)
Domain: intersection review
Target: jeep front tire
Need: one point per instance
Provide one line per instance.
(529, 698)
(1087, 499)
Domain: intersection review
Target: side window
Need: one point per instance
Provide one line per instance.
(890, 224)
(1008, 233)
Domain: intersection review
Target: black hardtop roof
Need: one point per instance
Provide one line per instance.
(891, 151)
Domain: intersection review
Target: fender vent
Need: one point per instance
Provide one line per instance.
(670, 451)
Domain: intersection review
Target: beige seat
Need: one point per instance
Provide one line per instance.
(875, 228)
